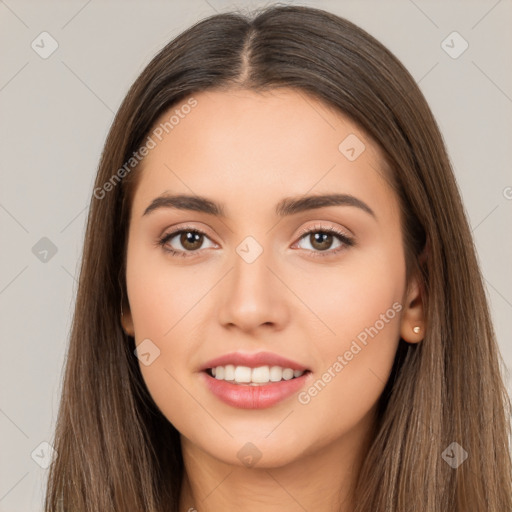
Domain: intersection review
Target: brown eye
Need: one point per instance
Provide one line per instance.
(325, 241)
(184, 241)
(321, 240)
(191, 240)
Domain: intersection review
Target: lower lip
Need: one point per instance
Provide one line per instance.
(254, 397)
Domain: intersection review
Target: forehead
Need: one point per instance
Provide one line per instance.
(249, 147)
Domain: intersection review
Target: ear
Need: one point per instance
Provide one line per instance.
(412, 328)
(126, 320)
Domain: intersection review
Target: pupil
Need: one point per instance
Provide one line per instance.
(190, 239)
(322, 240)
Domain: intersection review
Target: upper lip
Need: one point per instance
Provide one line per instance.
(253, 361)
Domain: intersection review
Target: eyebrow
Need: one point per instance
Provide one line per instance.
(286, 207)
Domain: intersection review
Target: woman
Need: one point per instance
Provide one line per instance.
(279, 303)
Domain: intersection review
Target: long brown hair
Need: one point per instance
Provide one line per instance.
(116, 450)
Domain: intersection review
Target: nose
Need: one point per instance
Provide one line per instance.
(253, 296)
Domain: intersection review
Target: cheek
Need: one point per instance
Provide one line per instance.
(167, 303)
(360, 303)
(162, 295)
(163, 305)
(347, 298)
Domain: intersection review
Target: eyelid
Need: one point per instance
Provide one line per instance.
(175, 230)
(319, 227)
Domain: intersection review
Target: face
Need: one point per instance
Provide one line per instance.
(320, 284)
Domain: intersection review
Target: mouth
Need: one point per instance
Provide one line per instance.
(262, 387)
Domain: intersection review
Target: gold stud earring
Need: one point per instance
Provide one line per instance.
(416, 329)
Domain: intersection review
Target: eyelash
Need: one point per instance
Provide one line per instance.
(346, 241)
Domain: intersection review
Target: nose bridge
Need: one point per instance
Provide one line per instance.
(252, 294)
(250, 263)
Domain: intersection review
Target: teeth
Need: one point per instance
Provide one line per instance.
(276, 373)
(229, 372)
(242, 374)
(261, 374)
(254, 376)
(287, 374)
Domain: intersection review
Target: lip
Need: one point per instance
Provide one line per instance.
(245, 396)
(253, 361)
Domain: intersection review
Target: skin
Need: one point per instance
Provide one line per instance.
(248, 150)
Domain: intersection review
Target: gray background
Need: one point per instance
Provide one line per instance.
(55, 115)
